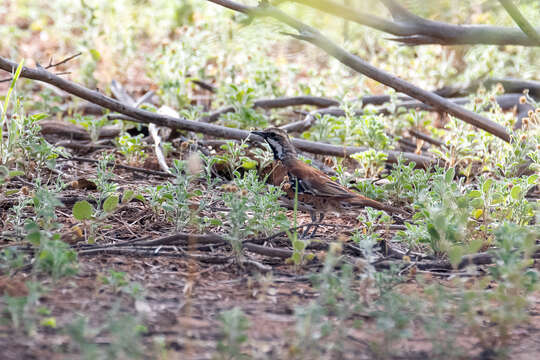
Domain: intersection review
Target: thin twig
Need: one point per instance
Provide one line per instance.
(205, 85)
(126, 167)
(51, 65)
(426, 138)
(274, 104)
(520, 20)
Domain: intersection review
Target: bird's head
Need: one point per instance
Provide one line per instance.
(279, 142)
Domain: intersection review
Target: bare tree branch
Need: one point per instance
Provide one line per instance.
(313, 36)
(276, 103)
(414, 30)
(520, 20)
(51, 65)
(143, 116)
(506, 102)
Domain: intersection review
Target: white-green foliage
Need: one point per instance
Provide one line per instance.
(254, 209)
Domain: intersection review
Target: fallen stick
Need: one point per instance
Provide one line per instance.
(143, 116)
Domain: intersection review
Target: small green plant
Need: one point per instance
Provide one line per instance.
(234, 325)
(311, 331)
(6, 148)
(514, 276)
(107, 200)
(103, 179)
(21, 310)
(10, 260)
(263, 209)
(254, 209)
(23, 145)
(172, 199)
(299, 245)
(234, 158)
(236, 220)
(123, 332)
(372, 220)
(241, 98)
(92, 218)
(132, 148)
(92, 123)
(407, 183)
(321, 325)
(394, 314)
(371, 162)
(119, 282)
(82, 335)
(444, 211)
(45, 201)
(366, 129)
(54, 256)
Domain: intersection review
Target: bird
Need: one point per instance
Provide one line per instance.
(311, 186)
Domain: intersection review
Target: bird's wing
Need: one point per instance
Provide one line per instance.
(315, 182)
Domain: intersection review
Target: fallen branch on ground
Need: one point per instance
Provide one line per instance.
(276, 103)
(143, 116)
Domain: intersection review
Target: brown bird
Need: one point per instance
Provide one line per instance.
(315, 188)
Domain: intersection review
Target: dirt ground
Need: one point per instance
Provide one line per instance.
(184, 293)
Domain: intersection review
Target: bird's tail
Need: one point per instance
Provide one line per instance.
(362, 201)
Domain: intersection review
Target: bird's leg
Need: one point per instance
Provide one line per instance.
(306, 231)
(321, 217)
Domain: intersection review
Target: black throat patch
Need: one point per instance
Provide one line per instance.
(277, 148)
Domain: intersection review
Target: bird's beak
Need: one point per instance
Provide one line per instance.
(260, 133)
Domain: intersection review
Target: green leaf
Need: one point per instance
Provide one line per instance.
(140, 198)
(128, 196)
(49, 322)
(11, 87)
(477, 213)
(299, 245)
(15, 173)
(82, 210)
(33, 233)
(455, 253)
(110, 204)
(477, 203)
(95, 54)
(475, 245)
(449, 176)
(475, 194)
(487, 185)
(249, 164)
(515, 193)
(433, 232)
(310, 257)
(532, 179)
(497, 198)
(37, 117)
